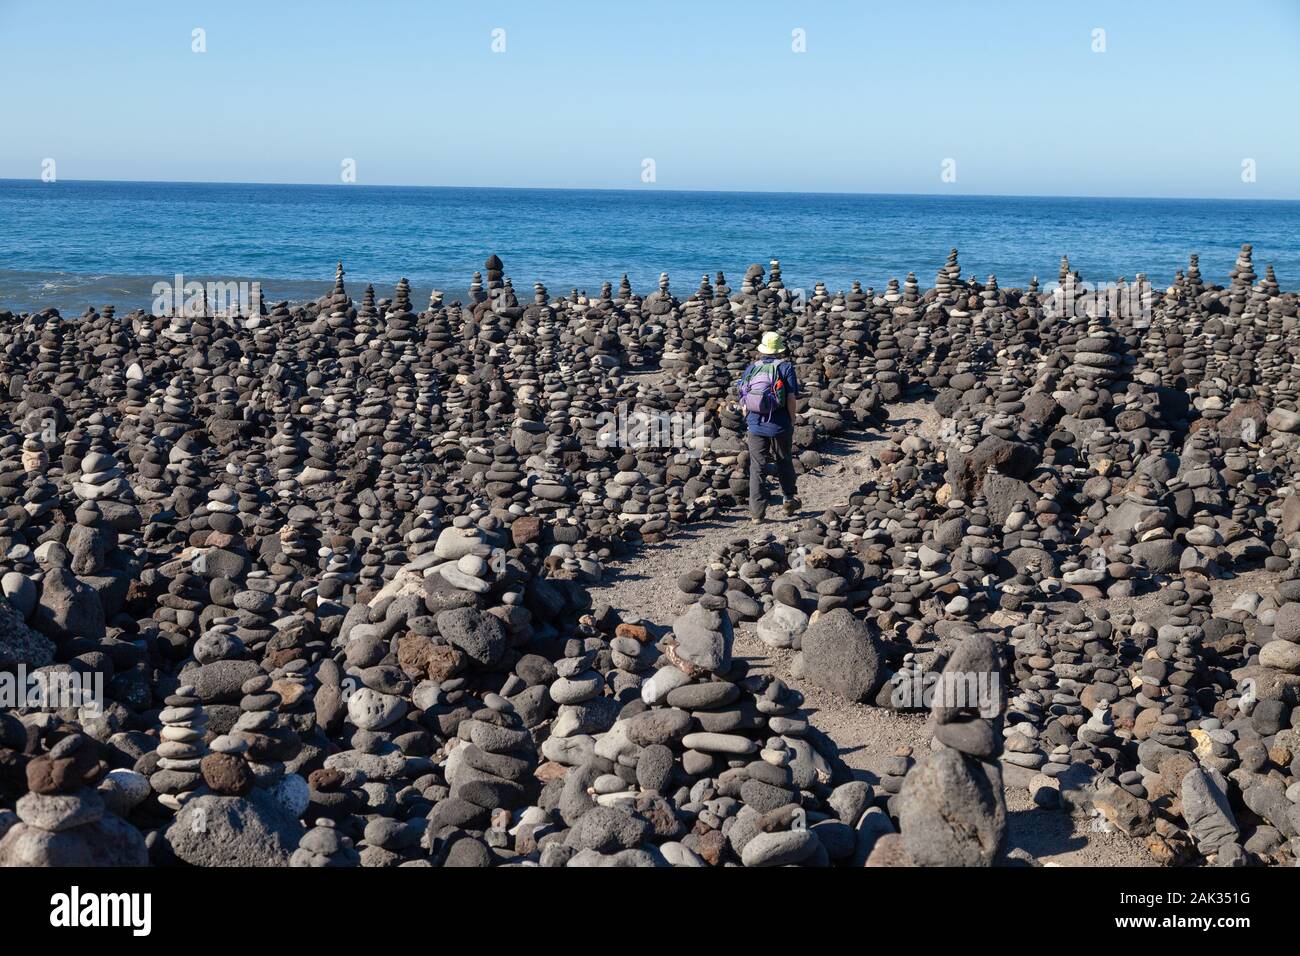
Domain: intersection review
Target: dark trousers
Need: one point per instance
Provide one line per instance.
(763, 449)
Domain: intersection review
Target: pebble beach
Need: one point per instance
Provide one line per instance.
(358, 581)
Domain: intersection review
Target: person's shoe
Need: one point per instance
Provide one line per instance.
(792, 506)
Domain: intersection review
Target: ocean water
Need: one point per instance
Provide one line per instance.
(73, 244)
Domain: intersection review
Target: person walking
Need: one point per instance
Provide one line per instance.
(767, 395)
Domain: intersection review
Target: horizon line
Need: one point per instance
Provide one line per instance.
(624, 189)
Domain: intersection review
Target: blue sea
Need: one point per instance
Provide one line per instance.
(72, 244)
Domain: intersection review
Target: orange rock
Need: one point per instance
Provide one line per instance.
(549, 770)
(637, 632)
(290, 691)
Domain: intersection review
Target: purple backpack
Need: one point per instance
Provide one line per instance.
(762, 389)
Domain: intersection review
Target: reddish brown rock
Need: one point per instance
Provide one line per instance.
(281, 656)
(70, 765)
(711, 846)
(637, 632)
(227, 774)
(1172, 771)
(420, 657)
(526, 530)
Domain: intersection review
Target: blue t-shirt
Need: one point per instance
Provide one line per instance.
(780, 420)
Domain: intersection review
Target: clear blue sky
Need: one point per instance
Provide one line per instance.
(585, 91)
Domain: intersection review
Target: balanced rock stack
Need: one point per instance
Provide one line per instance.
(337, 313)
(62, 820)
(323, 846)
(951, 808)
(702, 637)
(180, 755)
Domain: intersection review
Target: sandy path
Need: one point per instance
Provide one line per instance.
(646, 587)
